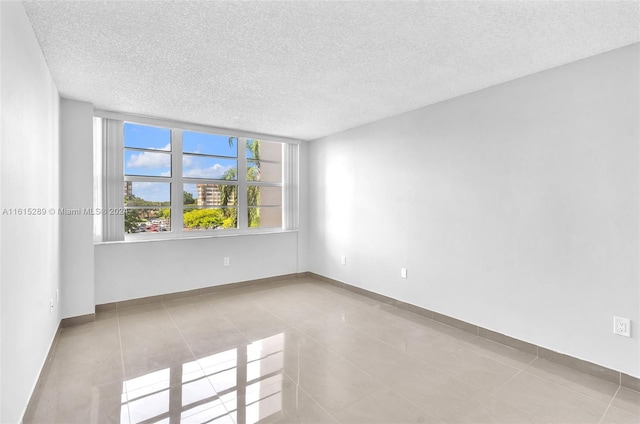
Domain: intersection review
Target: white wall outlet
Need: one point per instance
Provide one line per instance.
(403, 272)
(343, 260)
(622, 326)
(50, 305)
(226, 261)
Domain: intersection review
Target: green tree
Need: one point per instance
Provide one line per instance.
(230, 221)
(164, 213)
(229, 198)
(204, 218)
(138, 201)
(253, 174)
(188, 198)
(228, 194)
(134, 217)
(132, 220)
(253, 154)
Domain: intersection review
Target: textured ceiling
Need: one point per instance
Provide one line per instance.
(309, 69)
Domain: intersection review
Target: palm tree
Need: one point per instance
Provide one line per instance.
(228, 195)
(253, 174)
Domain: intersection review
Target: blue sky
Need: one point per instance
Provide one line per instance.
(158, 161)
(156, 192)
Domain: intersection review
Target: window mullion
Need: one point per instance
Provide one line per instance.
(143, 178)
(243, 215)
(177, 199)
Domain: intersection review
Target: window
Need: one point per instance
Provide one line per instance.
(147, 179)
(210, 178)
(183, 181)
(264, 191)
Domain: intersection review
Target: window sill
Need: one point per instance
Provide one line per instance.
(145, 238)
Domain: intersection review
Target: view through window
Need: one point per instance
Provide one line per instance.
(187, 181)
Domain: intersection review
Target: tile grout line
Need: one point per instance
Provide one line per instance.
(359, 306)
(507, 382)
(533, 357)
(321, 281)
(164, 307)
(124, 375)
(342, 358)
(311, 397)
(520, 370)
(524, 370)
(476, 336)
(536, 356)
(395, 302)
(296, 382)
(371, 308)
(459, 346)
(440, 369)
(493, 394)
(384, 385)
(465, 344)
(604, 414)
(284, 373)
(196, 358)
(224, 318)
(366, 372)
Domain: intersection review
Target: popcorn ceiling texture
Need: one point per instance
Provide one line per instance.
(309, 69)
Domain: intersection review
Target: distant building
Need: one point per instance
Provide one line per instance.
(128, 189)
(210, 195)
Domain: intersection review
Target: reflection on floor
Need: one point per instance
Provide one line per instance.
(304, 351)
(207, 390)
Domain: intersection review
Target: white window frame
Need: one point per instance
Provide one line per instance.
(110, 178)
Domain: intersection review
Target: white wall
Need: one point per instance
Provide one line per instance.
(29, 263)
(132, 270)
(76, 192)
(514, 208)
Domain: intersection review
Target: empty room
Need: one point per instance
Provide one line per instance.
(236, 212)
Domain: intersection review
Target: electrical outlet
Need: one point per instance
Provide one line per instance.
(403, 272)
(226, 261)
(50, 305)
(622, 326)
(343, 261)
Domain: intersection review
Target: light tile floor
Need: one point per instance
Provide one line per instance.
(305, 351)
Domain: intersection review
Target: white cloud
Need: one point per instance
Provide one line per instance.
(149, 160)
(215, 171)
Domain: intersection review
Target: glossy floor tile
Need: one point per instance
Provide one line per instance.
(303, 351)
